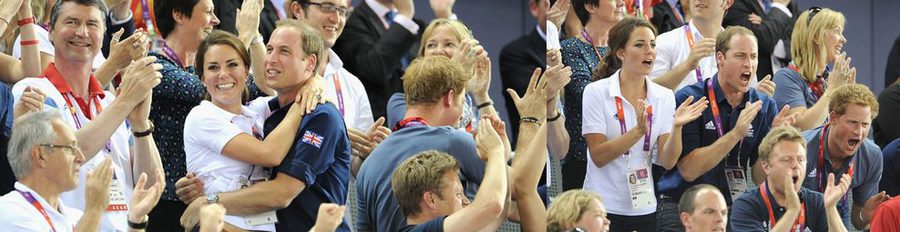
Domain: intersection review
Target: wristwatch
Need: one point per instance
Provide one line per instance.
(212, 198)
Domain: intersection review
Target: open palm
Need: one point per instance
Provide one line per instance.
(689, 110)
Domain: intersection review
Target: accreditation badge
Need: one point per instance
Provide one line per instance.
(641, 187)
(737, 181)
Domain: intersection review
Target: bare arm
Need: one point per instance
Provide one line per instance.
(488, 203)
(279, 193)
(29, 66)
(674, 77)
(701, 160)
(557, 137)
(809, 118)
(270, 151)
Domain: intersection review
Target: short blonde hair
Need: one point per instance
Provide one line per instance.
(458, 28)
(421, 173)
(805, 53)
(568, 208)
(779, 134)
(723, 40)
(852, 94)
(312, 43)
(427, 79)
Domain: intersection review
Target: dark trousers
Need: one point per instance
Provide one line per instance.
(166, 216)
(668, 219)
(643, 223)
(573, 172)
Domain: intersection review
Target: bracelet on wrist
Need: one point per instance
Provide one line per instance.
(138, 226)
(25, 21)
(531, 120)
(485, 104)
(554, 118)
(140, 134)
(29, 42)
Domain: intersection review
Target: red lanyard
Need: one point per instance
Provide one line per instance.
(820, 165)
(337, 90)
(621, 113)
(801, 220)
(816, 86)
(410, 122)
(87, 113)
(37, 205)
(690, 39)
(591, 43)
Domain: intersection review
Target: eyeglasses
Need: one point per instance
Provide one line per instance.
(72, 148)
(812, 13)
(331, 8)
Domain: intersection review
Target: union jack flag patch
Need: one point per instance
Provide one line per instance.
(312, 138)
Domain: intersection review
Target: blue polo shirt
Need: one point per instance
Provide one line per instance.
(866, 170)
(435, 225)
(750, 213)
(890, 179)
(320, 157)
(377, 207)
(702, 132)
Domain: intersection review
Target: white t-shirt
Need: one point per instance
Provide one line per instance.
(599, 117)
(207, 129)
(672, 49)
(20, 215)
(356, 109)
(118, 148)
(44, 45)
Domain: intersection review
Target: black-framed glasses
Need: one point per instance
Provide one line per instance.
(331, 8)
(72, 148)
(812, 13)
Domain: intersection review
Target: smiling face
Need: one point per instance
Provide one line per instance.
(329, 25)
(639, 52)
(787, 159)
(594, 218)
(608, 11)
(738, 64)
(848, 131)
(77, 34)
(834, 43)
(224, 75)
(201, 22)
(709, 9)
(451, 198)
(710, 213)
(287, 65)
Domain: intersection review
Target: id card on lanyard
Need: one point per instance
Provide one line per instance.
(640, 185)
(821, 181)
(799, 224)
(690, 40)
(734, 175)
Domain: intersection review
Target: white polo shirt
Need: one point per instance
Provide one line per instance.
(354, 101)
(672, 49)
(207, 129)
(118, 146)
(19, 214)
(599, 117)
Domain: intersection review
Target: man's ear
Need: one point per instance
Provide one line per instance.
(447, 99)
(311, 62)
(36, 157)
(297, 10)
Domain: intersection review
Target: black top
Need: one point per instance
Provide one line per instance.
(749, 212)
(892, 69)
(885, 126)
(435, 225)
(776, 25)
(517, 62)
(226, 10)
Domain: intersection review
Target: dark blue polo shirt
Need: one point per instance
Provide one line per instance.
(749, 211)
(866, 170)
(890, 179)
(320, 157)
(702, 132)
(7, 177)
(435, 225)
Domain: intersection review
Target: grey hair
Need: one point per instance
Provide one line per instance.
(54, 13)
(32, 129)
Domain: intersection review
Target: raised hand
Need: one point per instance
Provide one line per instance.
(8, 9)
(557, 77)
(138, 80)
(689, 110)
(189, 188)
(363, 143)
(247, 23)
(32, 100)
(557, 12)
(144, 199)
(834, 193)
(754, 19)
(747, 115)
(487, 141)
(702, 48)
(468, 54)
(329, 218)
(481, 81)
(843, 73)
(442, 8)
(790, 194)
(405, 8)
(310, 94)
(872, 203)
(767, 86)
(122, 53)
(641, 111)
(96, 194)
(533, 104)
(784, 118)
(554, 57)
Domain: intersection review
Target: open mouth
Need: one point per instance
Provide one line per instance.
(272, 73)
(79, 44)
(647, 62)
(853, 142)
(225, 86)
(745, 76)
(331, 29)
(700, 6)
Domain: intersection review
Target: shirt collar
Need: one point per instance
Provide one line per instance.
(615, 88)
(334, 61)
(216, 110)
(59, 82)
(541, 32)
(378, 8)
(720, 95)
(24, 188)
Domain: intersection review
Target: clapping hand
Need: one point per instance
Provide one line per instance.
(329, 218)
(144, 199)
(96, 194)
(689, 110)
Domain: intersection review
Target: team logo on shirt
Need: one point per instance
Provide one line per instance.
(710, 125)
(312, 138)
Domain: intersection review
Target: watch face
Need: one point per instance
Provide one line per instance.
(212, 198)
